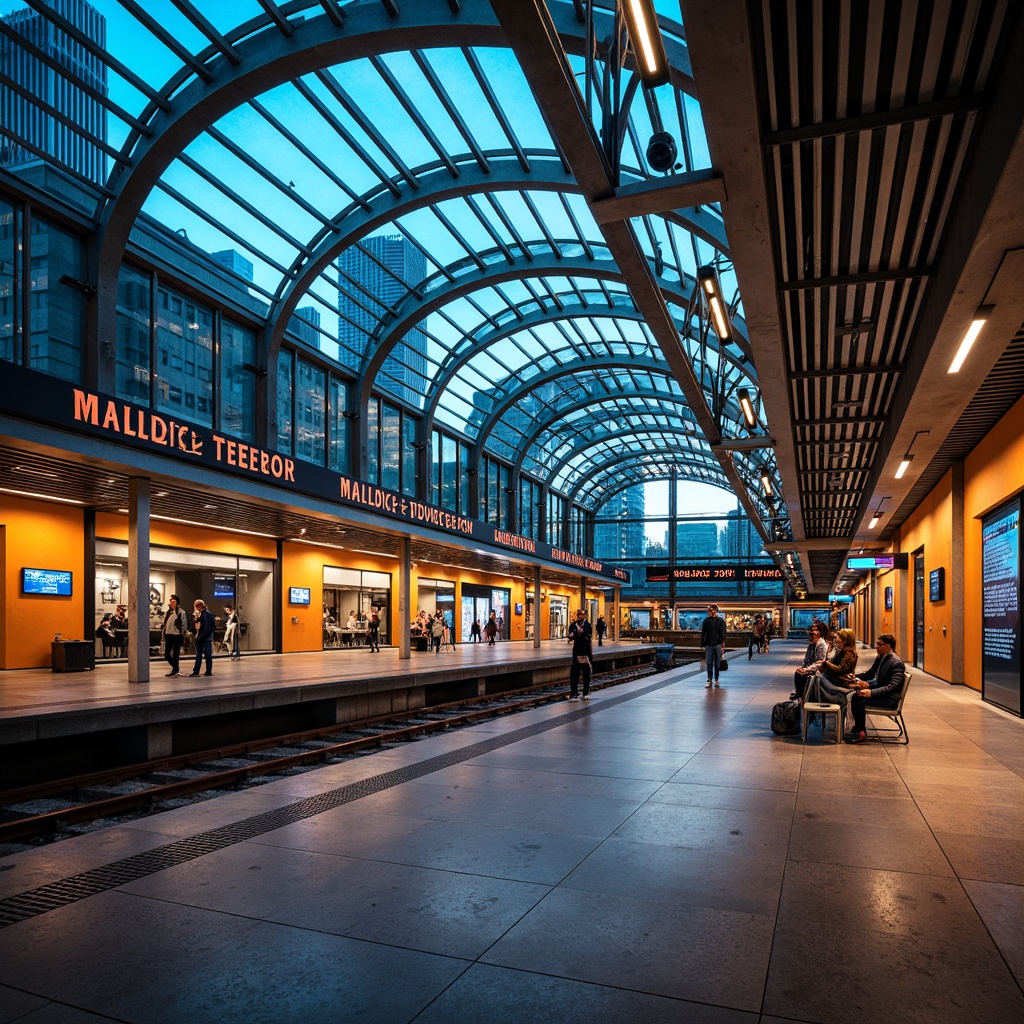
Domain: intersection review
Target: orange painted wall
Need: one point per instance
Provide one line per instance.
(41, 535)
(931, 527)
(178, 535)
(993, 472)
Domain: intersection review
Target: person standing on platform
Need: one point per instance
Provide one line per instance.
(579, 634)
(437, 630)
(230, 642)
(756, 638)
(491, 629)
(474, 632)
(373, 632)
(601, 629)
(174, 629)
(204, 626)
(712, 639)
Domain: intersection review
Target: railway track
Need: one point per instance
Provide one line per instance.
(60, 808)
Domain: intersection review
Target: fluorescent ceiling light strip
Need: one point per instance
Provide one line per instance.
(43, 497)
(965, 346)
(209, 526)
(644, 32)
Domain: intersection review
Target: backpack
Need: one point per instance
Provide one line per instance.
(786, 718)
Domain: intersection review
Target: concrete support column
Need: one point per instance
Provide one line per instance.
(404, 587)
(138, 579)
(956, 577)
(536, 606)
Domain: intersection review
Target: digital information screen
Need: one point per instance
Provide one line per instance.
(870, 562)
(223, 586)
(56, 582)
(298, 595)
(1000, 601)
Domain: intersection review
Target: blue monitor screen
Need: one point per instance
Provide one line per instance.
(223, 586)
(298, 595)
(46, 581)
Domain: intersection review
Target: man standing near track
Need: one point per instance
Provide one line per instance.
(712, 639)
(580, 633)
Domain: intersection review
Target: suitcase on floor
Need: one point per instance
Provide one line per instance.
(786, 718)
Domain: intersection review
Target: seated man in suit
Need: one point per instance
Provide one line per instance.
(880, 686)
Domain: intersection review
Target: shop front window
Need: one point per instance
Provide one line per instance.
(350, 597)
(221, 580)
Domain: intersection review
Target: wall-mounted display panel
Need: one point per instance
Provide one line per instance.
(1001, 592)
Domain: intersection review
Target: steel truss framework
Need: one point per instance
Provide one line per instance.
(564, 331)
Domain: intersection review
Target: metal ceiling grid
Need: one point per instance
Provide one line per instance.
(871, 110)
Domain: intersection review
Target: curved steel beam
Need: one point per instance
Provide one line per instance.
(587, 403)
(413, 309)
(449, 369)
(579, 365)
(267, 59)
(717, 478)
(639, 454)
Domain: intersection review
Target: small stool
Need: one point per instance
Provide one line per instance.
(813, 708)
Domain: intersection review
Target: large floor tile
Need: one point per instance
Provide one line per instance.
(150, 962)
(983, 858)
(868, 845)
(855, 945)
(706, 828)
(15, 1005)
(494, 995)
(1001, 908)
(436, 911)
(520, 854)
(746, 881)
(706, 956)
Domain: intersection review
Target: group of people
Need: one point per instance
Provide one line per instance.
(832, 660)
(110, 624)
(177, 628)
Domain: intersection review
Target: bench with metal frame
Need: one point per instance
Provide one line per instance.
(896, 714)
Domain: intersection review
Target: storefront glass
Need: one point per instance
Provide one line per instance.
(350, 595)
(247, 584)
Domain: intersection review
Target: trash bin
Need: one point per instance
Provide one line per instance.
(72, 655)
(663, 655)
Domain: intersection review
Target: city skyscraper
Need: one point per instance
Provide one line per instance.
(37, 95)
(376, 277)
(623, 539)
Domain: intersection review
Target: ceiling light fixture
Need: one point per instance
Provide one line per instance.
(206, 526)
(766, 483)
(983, 313)
(644, 33)
(908, 458)
(747, 406)
(878, 513)
(45, 497)
(711, 287)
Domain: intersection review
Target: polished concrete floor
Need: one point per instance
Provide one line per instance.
(655, 855)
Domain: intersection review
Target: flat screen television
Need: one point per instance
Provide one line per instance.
(298, 595)
(46, 581)
(223, 586)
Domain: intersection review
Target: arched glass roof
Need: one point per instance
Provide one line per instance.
(550, 313)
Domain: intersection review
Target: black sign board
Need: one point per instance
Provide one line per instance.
(712, 573)
(36, 396)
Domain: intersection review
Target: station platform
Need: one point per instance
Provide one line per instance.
(655, 854)
(61, 723)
